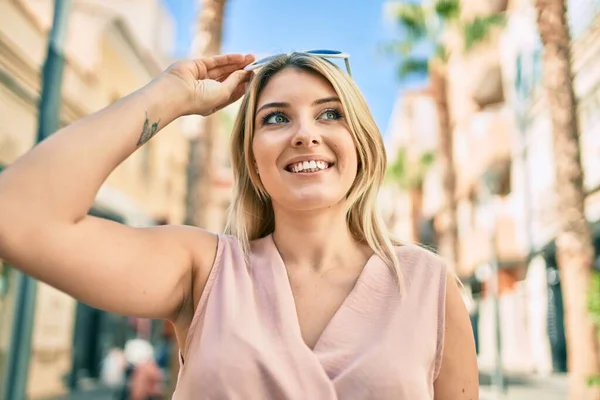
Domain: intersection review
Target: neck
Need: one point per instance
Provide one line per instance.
(316, 239)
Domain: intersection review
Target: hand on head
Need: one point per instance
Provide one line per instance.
(211, 83)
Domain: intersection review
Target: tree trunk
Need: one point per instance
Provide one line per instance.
(574, 250)
(448, 240)
(201, 153)
(416, 212)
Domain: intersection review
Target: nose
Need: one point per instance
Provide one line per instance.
(306, 136)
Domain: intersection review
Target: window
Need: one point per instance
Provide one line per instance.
(581, 14)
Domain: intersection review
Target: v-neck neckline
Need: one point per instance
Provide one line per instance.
(291, 299)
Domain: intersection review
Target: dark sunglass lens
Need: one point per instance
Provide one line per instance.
(331, 52)
(265, 60)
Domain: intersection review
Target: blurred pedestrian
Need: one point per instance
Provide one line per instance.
(114, 365)
(306, 296)
(146, 381)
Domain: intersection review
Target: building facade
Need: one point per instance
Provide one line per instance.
(535, 164)
(503, 159)
(113, 48)
(412, 132)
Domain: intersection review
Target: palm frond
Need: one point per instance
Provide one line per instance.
(397, 47)
(412, 18)
(396, 171)
(478, 30)
(406, 173)
(427, 159)
(413, 66)
(441, 53)
(447, 10)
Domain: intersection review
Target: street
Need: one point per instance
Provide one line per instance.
(92, 394)
(526, 388)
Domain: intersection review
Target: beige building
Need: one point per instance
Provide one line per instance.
(413, 129)
(113, 48)
(502, 134)
(533, 164)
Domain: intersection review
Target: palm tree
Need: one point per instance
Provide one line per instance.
(201, 148)
(574, 249)
(425, 25)
(408, 174)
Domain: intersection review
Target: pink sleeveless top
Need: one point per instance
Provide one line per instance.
(245, 341)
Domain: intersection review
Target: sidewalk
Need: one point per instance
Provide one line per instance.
(91, 394)
(525, 388)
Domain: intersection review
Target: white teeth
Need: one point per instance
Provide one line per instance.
(309, 166)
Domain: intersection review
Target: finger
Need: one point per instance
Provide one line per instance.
(239, 92)
(224, 60)
(202, 66)
(221, 73)
(224, 76)
(236, 79)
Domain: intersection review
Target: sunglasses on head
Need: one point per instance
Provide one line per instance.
(319, 53)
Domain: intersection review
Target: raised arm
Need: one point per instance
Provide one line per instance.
(45, 197)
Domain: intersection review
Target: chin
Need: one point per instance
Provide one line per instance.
(311, 201)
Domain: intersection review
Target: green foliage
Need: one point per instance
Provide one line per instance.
(425, 25)
(594, 381)
(412, 18)
(447, 9)
(594, 310)
(413, 65)
(594, 298)
(409, 174)
(477, 30)
(402, 47)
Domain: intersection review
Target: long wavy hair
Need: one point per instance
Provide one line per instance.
(251, 214)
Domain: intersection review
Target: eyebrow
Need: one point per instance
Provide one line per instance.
(325, 100)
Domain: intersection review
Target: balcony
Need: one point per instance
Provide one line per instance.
(485, 85)
(475, 245)
(483, 145)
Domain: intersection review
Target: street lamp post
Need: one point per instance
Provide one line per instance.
(489, 194)
(15, 385)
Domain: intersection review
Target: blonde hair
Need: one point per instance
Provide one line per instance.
(251, 214)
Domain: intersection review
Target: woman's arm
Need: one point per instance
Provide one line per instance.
(45, 197)
(459, 376)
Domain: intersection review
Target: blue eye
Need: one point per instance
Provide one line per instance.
(274, 118)
(331, 114)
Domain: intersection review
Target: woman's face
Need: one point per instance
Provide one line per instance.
(303, 149)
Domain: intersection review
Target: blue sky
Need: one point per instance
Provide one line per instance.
(270, 27)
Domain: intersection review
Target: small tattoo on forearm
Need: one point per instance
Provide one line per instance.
(148, 131)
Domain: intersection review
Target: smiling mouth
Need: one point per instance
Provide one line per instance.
(308, 166)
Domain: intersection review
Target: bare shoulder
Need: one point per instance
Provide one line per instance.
(458, 376)
(201, 243)
(202, 246)
(455, 370)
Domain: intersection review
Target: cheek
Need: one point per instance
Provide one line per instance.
(266, 153)
(349, 157)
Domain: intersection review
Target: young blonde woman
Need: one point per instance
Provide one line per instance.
(305, 297)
